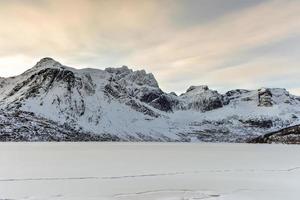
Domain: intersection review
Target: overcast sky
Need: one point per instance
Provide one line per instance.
(223, 44)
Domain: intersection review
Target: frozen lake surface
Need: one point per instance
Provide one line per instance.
(118, 171)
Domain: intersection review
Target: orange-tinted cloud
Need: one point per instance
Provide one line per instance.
(145, 34)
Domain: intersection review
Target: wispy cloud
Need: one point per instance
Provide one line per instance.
(201, 50)
(219, 51)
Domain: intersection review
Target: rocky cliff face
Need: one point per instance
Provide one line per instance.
(25, 126)
(201, 98)
(290, 135)
(265, 97)
(129, 105)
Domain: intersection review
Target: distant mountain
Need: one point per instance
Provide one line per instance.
(125, 105)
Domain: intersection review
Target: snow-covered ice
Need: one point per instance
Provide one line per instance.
(152, 171)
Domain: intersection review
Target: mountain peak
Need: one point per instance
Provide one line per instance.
(119, 70)
(45, 59)
(48, 62)
(200, 87)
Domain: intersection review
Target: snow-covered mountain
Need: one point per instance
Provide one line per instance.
(122, 104)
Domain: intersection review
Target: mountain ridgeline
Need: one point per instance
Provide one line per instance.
(53, 102)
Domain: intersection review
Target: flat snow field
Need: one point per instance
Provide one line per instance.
(149, 171)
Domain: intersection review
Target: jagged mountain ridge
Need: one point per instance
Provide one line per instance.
(130, 106)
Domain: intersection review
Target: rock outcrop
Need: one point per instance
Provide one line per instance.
(290, 135)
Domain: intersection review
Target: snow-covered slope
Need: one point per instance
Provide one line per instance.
(24, 126)
(129, 105)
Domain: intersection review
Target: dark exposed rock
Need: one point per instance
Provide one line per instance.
(150, 96)
(191, 88)
(89, 85)
(214, 104)
(260, 123)
(44, 79)
(265, 97)
(162, 103)
(25, 126)
(141, 108)
(234, 94)
(290, 135)
(206, 104)
(109, 89)
(158, 100)
(67, 77)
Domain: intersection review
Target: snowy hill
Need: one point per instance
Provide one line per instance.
(129, 105)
